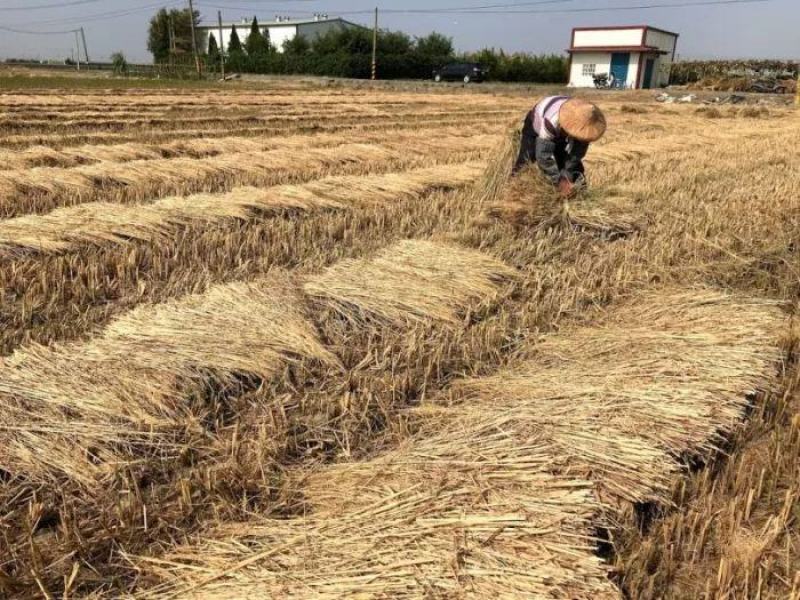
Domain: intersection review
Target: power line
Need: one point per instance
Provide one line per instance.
(466, 10)
(26, 32)
(398, 10)
(107, 15)
(370, 11)
(56, 5)
(616, 8)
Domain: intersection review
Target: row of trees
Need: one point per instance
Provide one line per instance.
(257, 46)
(345, 52)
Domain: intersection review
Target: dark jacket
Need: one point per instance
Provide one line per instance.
(560, 157)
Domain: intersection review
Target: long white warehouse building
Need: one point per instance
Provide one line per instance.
(280, 29)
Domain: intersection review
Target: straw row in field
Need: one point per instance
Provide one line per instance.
(36, 156)
(102, 223)
(255, 99)
(505, 472)
(121, 123)
(310, 125)
(179, 111)
(43, 189)
(173, 104)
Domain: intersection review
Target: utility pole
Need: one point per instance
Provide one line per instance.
(797, 90)
(375, 47)
(85, 49)
(171, 31)
(221, 46)
(78, 46)
(194, 41)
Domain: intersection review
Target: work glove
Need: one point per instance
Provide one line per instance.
(565, 187)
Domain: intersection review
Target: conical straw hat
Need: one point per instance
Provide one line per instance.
(582, 120)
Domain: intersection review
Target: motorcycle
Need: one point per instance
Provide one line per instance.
(606, 81)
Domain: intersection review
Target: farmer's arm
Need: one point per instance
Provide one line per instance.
(573, 166)
(546, 159)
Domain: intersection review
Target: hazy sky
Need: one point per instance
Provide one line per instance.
(767, 29)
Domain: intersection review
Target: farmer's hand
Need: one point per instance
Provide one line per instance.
(565, 187)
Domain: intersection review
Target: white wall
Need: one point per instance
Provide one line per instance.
(608, 37)
(601, 60)
(277, 35)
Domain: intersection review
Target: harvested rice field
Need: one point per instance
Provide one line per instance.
(304, 341)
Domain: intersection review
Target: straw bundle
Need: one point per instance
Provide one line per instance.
(530, 200)
(490, 498)
(498, 173)
(102, 223)
(413, 280)
(66, 408)
(472, 513)
(663, 377)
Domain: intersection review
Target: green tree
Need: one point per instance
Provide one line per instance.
(257, 44)
(343, 41)
(394, 42)
(235, 57)
(158, 36)
(435, 45)
(296, 46)
(159, 33)
(234, 44)
(213, 50)
(119, 63)
(268, 41)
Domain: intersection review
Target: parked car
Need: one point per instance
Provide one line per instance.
(465, 72)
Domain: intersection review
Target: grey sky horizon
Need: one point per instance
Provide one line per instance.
(767, 29)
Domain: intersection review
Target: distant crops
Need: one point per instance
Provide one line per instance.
(343, 356)
(695, 70)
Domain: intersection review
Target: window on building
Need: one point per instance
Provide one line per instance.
(589, 69)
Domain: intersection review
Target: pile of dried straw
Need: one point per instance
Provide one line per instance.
(412, 280)
(75, 410)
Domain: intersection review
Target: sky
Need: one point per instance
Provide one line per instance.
(758, 29)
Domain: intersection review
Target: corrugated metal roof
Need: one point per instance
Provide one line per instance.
(645, 49)
(274, 23)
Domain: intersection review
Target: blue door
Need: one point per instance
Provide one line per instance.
(619, 67)
(647, 82)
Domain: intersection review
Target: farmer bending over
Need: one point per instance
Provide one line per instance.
(556, 135)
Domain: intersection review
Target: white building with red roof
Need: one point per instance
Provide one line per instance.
(637, 56)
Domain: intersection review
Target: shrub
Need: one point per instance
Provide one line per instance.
(119, 63)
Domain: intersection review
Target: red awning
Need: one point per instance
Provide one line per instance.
(643, 49)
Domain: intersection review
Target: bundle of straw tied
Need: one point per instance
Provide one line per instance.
(528, 199)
